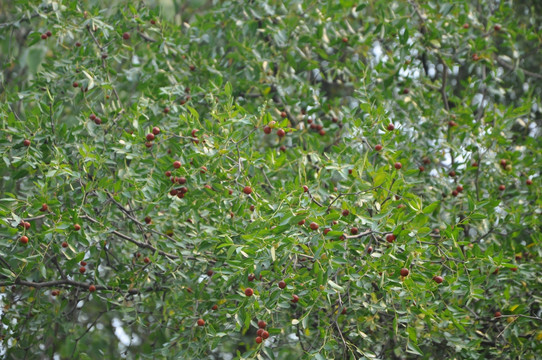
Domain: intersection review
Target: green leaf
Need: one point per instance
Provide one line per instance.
(431, 207)
(380, 178)
(414, 349)
(73, 261)
(335, 286)
(228, 89)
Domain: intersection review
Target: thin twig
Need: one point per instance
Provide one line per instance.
(266, 178)
(360, 235)
(521, 315)
(133, 241)
(6, 263)
(52, 120)
(28, 219)
(55, 283)
(145, 37)
(512, 67)
(444, 82)
(350, 194)
(22, 19)
(389, 191)
(94, 38)
(313, 199)
(60, 271)
(86, 331)
(127, 213)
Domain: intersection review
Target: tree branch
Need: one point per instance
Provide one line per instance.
(127, 213)
(55, 283)
(360, 235)
(313, 199)
(502, 62)
(520, 315)
(22, 19)
(145, 37)
(134, 241)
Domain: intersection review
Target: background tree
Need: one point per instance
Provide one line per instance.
(270, 179)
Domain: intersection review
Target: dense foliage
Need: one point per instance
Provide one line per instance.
(363, 177)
